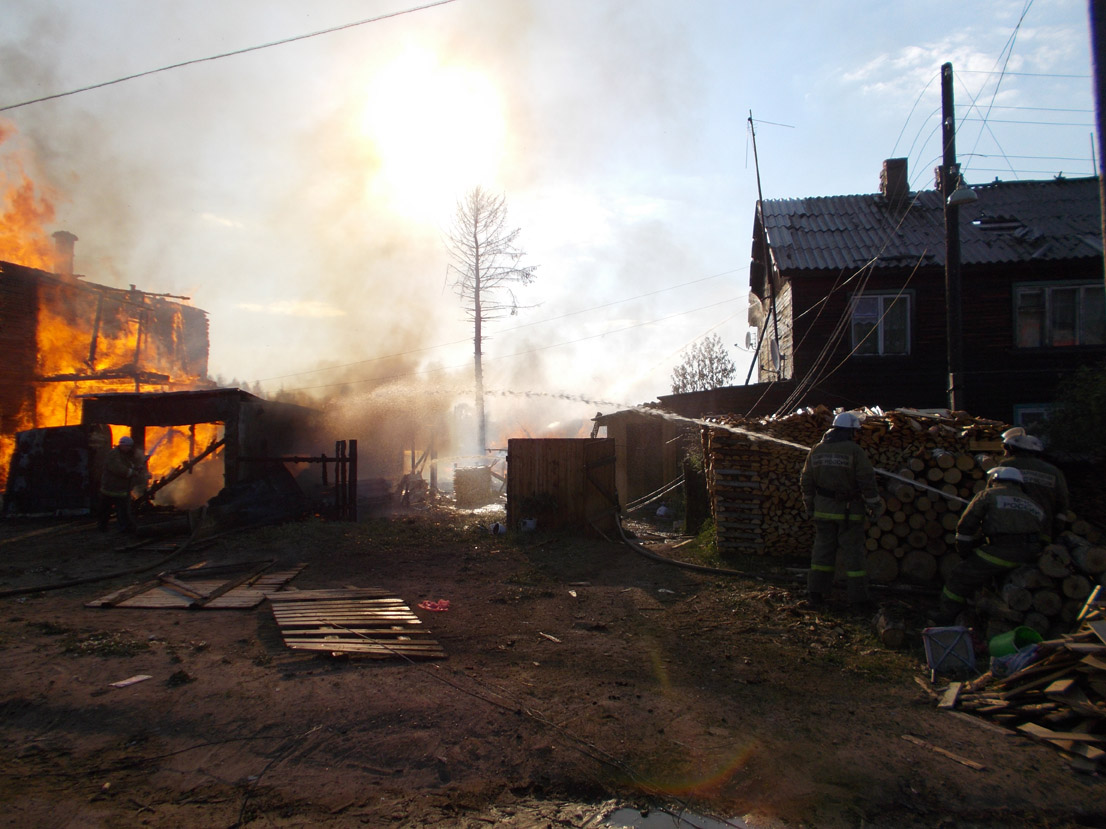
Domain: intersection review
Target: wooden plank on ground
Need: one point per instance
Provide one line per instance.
(121, 595)
(948, 700)
(982, 723)
(1042, 733)
(1036, 683)
(334, 593)
(364, 621)
(964, 761)
(222, 587)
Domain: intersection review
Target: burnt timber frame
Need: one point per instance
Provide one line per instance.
(345, 475)
(138, 411)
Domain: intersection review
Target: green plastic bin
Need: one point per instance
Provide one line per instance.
(1013, 641)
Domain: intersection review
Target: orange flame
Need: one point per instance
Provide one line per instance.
(85, 331)
(26, 212)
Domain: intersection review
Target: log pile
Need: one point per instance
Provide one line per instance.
(753, 471)
(1049, 596)
(936, 463)
(1059, 700)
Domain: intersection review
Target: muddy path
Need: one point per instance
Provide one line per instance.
(579, 676)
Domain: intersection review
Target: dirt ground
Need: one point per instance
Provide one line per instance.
(581, 676)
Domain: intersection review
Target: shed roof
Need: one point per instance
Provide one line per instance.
(175, 408)
(1011, 222)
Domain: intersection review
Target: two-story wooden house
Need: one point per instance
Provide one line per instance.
(848, 295)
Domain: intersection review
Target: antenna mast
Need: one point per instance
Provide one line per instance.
(768, 283)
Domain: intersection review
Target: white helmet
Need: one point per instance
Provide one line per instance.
(1006, 473)
(846, 420)
(1019, 441)
(1033, 444)
(1013, 431)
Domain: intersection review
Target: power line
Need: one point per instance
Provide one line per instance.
(227, 54)
(505, 331)
(1020, 74)
(1032, 123)
(1031, 109)
(1009, 50)
(1030, 157)
(1052, 172)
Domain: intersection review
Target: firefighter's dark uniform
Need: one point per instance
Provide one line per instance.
(1046, 485)
(999, 530)
(839, 487)
(123, 470)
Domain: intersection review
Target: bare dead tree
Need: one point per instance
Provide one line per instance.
(706, 365)
(485, 269)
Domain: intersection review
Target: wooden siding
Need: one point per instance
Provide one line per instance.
(649, 451)
(783, 326)
(562, 482)
(998, 376)
(18, 300)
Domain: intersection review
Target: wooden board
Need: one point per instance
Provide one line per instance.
(225, 587)
(365, 621)
(1099, 629)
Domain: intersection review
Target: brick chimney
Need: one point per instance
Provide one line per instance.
(894, 183)
(64, 244)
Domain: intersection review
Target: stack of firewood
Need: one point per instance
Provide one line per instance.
(1048, 597)
(753, 471)
(1059, 699)
(935, 465)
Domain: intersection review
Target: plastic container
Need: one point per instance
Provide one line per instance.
(1013, 641)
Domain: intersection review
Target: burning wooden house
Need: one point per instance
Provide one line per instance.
(64, 337)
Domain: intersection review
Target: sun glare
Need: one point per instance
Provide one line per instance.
(436, 129)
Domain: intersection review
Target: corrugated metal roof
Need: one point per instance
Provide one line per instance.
(1017, 221)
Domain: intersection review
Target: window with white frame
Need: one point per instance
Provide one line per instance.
(880, 324)
(1060, 314)
(1031, 415)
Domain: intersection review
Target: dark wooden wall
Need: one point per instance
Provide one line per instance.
(562, 482)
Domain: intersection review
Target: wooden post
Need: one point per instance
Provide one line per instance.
(340, 471)
(352, 498)
(1097, 9)
(232, 449)
(433, 463)
(950, 176)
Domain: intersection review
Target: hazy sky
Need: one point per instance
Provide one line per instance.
(300, 193)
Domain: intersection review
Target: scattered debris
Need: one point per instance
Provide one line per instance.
(439, 606)
(1058, 699)
(131, 680)
(178, 678)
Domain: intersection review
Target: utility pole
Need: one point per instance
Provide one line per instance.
(947, 178)
(1097, 9)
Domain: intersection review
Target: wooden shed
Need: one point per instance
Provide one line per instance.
(562, 483)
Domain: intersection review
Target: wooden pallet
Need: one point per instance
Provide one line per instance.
(366, 621)
(224, 587)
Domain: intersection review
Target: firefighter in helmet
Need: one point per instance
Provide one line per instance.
(1043, 482)
(998, 531)
(839, 490)
(124, 469)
